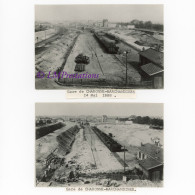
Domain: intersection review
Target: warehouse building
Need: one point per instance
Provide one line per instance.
(151, 67)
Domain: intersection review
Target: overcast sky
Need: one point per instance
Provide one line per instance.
(110, 109)
(115, 13)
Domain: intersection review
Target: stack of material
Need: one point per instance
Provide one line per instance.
(81, 59)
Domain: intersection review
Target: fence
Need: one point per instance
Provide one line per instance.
(118, 176)
(102, 83)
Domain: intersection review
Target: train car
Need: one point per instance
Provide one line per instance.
(111, 144)
(109, 45)
(112, 37)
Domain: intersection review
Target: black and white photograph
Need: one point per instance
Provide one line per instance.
(101, 99)
(99, 46)
(103, 145)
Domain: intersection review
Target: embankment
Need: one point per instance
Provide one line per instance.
(66, 139)
(60, 69)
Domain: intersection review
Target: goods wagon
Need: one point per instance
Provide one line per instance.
(109, 45)
(111, 144)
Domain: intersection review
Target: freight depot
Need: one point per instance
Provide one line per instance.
(63, 74)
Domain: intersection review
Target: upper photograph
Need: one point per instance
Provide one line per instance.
(99, 46)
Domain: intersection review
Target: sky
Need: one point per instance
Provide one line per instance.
(110, 109)
(114, 13)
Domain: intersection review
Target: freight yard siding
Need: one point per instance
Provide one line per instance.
(112, 145)
(42, 131)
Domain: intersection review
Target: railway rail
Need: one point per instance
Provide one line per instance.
(92, 49)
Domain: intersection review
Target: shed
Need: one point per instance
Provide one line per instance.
(150, 160)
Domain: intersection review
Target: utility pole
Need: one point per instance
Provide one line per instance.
(126, 67)
(124, 159)
(126, 53)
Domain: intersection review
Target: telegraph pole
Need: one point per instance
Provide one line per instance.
(126, 66)
(126, 53)
(124, 159)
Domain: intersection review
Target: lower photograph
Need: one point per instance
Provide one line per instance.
(102, 145)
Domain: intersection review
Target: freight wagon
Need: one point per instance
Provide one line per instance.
(109, 45)
(112, 145)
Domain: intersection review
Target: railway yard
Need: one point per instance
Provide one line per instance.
(59, 51)
(85, 154)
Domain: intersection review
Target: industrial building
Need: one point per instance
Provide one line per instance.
(105, 23)
(151, 66)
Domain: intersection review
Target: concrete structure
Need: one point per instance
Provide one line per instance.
(111, 25)
(104, 118)
(129, 26)
(98, 23)
(128, 122)
(105, 23)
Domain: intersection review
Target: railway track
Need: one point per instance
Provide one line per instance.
(46, 41)
(115, 57)
(92, 49)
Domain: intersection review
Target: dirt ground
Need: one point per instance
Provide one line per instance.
(132, 134)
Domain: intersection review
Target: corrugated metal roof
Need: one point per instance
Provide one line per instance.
(149, 163)
(151, 69)
(153, 55)
(153, 151)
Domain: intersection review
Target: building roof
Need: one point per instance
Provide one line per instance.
(159, 37)
(152, 150)
(149, 163)
(153, 55)
(151, 69)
